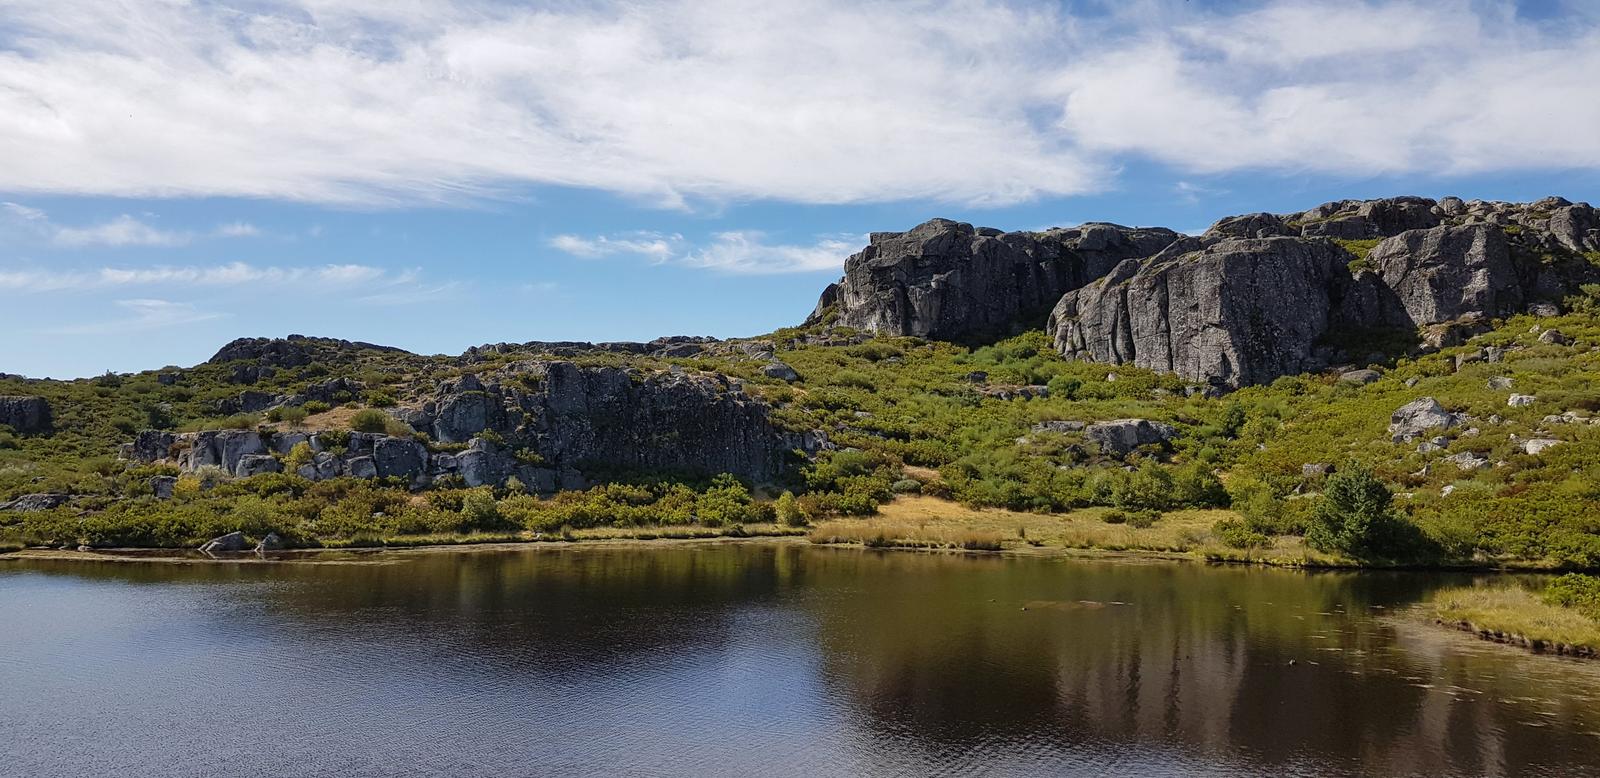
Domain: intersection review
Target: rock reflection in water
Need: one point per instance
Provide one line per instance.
(769, 658)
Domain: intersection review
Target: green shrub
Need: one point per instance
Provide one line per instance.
(1065, 387)
(316, 406)
(370, 420)
(786, 509)
(1150, 487)
(1143, 519)
(1577, 591)
(1235, 533)
(906, 486)
(378, 399)
(293, 415)
(1194, 484)
(299, 455)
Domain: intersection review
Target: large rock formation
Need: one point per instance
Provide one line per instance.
(951, 281)
(1444, 273)
(1235, 312)
(25, 414)
(293, 351)
(1259, 295)
(605, 418)
(550, 424)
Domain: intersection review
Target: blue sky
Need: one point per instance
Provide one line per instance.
(436, 174)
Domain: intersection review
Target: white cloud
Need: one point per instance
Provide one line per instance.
(316, 279)
(141, 315)
(743, 252)
(654, 245)
(822, 101)
(124, 230)
(748, 253)
(24, 214)
(121, 231)
(237, 230)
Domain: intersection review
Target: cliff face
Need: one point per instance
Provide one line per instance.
(549, 423)
(606, 418)
(951, 281)
(1259, 296)
(1234, 312)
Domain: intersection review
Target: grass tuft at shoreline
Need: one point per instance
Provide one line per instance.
(1516, 613)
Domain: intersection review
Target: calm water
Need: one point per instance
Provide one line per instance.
(762, 660)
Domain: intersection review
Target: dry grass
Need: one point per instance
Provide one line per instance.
(877, 534)
(675, 532)
(930, 521)
(331, 419)
(1516, 612)
(1185, 530)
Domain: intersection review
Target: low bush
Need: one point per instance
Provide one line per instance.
(1576, 591)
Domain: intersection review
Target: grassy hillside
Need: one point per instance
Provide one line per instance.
(914, 417)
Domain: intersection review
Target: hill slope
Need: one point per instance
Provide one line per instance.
(1481, 422)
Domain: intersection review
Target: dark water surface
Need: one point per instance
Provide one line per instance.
(750, 659)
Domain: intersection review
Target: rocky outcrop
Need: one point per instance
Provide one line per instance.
(36, 502)
(951, 281)
(246, 453)
(1414, 419)
(1262, 295)
(231, 542)
(1234, 312)
(293, 351)
(1445, 273)
(599, 419)
(550, 424)
(1121, 436)
(672, 346)
(25, 414)
(162, 486)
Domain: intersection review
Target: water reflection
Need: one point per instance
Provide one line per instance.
(772, 659)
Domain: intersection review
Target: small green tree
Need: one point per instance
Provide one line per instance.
(1356, 516)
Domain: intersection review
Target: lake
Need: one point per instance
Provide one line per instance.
(763, 659)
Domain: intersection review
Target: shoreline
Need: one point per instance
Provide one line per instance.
(385, 554)
(1531, 645)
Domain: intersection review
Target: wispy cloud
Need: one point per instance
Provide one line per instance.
(237, 230)
(655, 245)
(744, 252)
(971, 101)
(320, 278)
(141, 315)
(748, 252)
(410, 294)
(1190, 193)
(124, 230)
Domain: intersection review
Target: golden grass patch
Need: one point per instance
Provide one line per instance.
(1516, 612)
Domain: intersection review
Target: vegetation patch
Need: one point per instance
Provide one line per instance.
(1518, 616)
